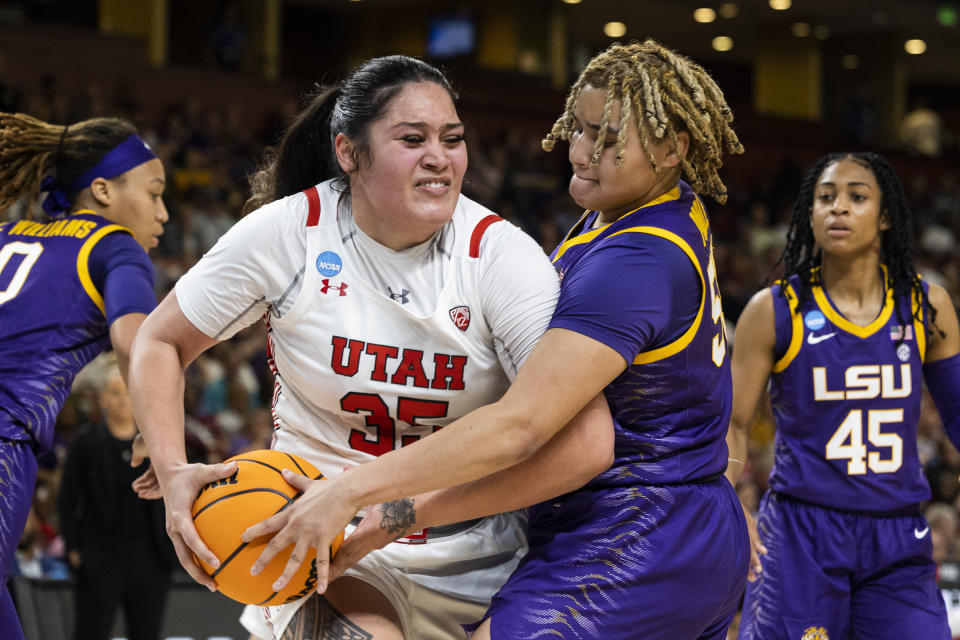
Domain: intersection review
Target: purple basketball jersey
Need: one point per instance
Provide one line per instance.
(671, 406)
(846, 400)
(52, 318)
(626, 555)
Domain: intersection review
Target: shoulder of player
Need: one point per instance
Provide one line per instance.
(117, 247)
(285, 217)
(637, 243)
(483, 230)
(758, 314)
(939, 298)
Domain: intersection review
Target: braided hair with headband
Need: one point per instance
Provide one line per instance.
(666, 93)
(802, 257)
(31, 149)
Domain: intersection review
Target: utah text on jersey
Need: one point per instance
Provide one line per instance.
(404, 366)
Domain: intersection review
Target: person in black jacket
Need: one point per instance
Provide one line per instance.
(115, 541)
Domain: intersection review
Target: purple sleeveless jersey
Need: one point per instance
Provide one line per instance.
(656, 546)
(846, 400)
(52, 318)
(671, 406)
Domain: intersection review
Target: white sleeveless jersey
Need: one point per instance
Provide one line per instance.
(388, 375)
(357, 374)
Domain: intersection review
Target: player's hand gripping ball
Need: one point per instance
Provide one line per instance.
(226, 508)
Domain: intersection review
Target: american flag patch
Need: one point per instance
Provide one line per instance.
(901, 332)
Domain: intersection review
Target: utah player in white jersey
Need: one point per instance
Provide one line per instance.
(844, 341)
(395, 306)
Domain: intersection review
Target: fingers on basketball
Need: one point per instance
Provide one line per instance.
(227, 507)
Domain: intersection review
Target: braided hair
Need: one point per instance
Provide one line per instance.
(31, 149)
(801, 257)
(666, 93)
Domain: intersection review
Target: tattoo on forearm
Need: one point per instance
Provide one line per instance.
(399, 516)
(317, 619)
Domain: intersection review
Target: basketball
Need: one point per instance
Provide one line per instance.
(226, 508)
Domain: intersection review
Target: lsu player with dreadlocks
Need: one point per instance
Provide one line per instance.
(638, 320)
(71, 284)
(843, 340)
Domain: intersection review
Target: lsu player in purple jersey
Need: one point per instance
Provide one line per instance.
(656, 546)
(71, 284)
(845, 341)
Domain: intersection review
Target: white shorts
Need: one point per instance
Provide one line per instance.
(434, 585)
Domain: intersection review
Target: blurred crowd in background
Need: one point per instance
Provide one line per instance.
(208, 150)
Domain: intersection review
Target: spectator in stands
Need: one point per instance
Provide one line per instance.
(921, 130)
(116, 543)
(944, 521)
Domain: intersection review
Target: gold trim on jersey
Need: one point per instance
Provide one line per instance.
(680, 343)
(837, 318)
(83, 257)
(918, 329)
(568, 242)
(796, 322)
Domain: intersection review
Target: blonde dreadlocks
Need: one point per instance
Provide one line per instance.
(666, 93)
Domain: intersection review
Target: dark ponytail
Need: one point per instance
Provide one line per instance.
(306, 155)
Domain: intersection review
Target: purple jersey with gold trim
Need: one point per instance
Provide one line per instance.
(846, 400)
(661, 527)
(52, 318)
(671, 406)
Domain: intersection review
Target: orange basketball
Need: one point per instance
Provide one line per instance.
(226, 508)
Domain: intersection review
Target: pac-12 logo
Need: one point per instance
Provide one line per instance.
(329, 263)
(461, 317)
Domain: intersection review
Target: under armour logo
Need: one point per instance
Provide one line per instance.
(403, 297)
(342, 288)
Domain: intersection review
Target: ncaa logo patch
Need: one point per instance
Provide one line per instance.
(815, 633)
(814, 320)
(461, 317)
(329, 263)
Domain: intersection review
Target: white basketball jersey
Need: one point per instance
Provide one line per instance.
(389, 377)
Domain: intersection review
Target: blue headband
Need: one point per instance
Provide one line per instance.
(130, 153)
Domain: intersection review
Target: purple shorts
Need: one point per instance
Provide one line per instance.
(836, 574)
(629, 562)
(18, 473)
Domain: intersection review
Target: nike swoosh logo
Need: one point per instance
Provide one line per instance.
(919, 533)
(812, 339)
